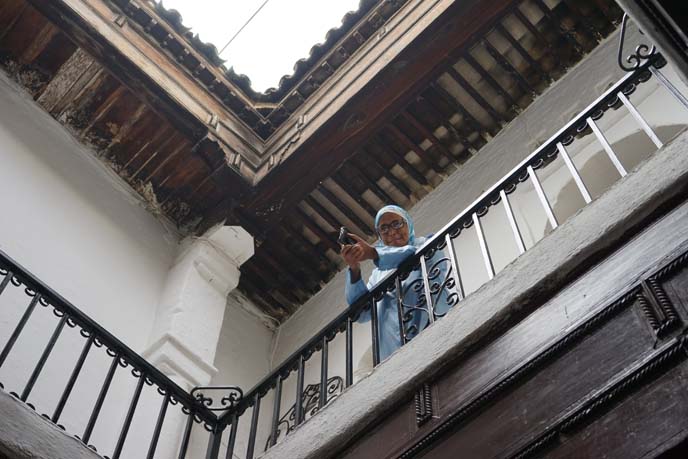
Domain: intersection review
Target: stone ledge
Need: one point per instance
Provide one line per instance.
(631, 204)
(24, 434)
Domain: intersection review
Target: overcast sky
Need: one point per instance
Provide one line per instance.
(281, 33)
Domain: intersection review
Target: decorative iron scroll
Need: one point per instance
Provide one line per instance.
(309, 401)
(232, 396)
(417, 311)
(642, 51)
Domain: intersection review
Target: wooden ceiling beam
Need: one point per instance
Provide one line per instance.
(208, 178)
(181, 146)
(386, 172)
(376, 102)
(81, 92)
(149, 71)
(267, 304)
(504, 63)
(69, 81)
(473, 94)
(608, 10)
(323, 212)
(127, 127)
(165, 132)
(314, 250)
(581, 20)
(553, 18)
(344, 209)
(428, 134)
(273, 275)
(39, 42)
(283, 255)
(251, 276)
(346, 186)
(467, 118)
(511, 104)
(372, 182)
(326, 238)
(461, 137)
(279, 239)
(539, 36)
(400, 159)
(410, 145)
(102, 109)
(535, 65)
(10, 25)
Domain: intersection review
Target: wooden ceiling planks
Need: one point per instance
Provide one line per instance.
(483, 84)
(488, 84)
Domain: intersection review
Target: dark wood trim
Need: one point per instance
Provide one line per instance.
(668, 357)
(672, 351)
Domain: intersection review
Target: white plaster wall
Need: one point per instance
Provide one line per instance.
(581, 86)
(242, 359)
(84, 234)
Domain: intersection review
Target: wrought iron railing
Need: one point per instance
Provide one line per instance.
(441, 282)
(196, 407)
(438, 287)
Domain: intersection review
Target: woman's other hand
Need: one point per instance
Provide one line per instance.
(354, 254)
(367, 251)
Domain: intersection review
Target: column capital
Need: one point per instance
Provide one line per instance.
(217, 256)
(189, 316)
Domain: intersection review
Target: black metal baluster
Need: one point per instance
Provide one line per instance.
(322, 399)
(214, 442)
(158, 426)
(187, 436)
(5, 281)
(232, 436)
(72, 379)
(44, 357)
(128, 419)
(375, 331)
(254, 428)
(18, 329)
(400, 312)
(276, 411)
(298, 408)
(101, 398)
(349, 376)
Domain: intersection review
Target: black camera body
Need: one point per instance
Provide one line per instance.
(344, 237)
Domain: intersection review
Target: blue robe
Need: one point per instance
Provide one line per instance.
(389, 258)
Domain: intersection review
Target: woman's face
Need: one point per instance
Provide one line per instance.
(393, 237)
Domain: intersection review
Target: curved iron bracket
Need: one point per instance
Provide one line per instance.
(231, 396)
(642, 52)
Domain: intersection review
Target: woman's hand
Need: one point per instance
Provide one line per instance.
(354, 254)
(367, 251)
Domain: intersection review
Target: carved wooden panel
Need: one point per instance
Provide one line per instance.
(611, 383)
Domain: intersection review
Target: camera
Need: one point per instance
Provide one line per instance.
(344, 237)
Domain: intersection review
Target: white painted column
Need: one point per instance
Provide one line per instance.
(189, 316)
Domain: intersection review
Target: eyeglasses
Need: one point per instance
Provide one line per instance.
(395, 225)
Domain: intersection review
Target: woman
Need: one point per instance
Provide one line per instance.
(397, 242)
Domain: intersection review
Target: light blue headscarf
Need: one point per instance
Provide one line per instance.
(403, 214)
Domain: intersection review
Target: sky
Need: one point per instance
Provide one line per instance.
(283, 32)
